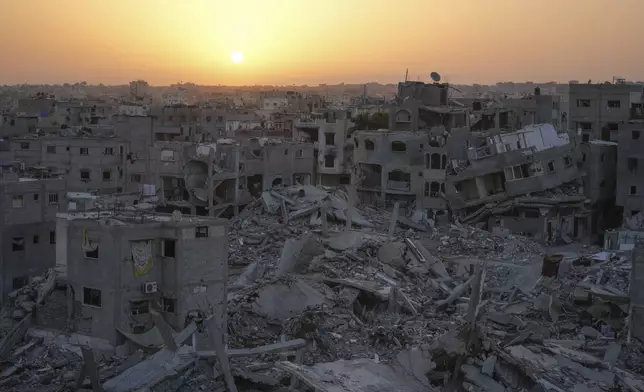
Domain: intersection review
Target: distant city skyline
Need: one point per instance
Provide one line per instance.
(253, 42)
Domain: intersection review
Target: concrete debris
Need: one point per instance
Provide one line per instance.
(314, 303)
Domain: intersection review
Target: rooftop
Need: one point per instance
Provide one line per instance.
(138, 215)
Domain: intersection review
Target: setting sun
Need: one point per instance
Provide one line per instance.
(237, 57)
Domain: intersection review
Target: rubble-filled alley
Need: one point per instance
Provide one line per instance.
(325, 296)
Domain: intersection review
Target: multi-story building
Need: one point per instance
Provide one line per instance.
(330, 133)
(123, 265)
(90, 163)
(29, 202)
(630, 181)
(536, 108)
(390, 166)
(596, 110)
(504, 180)
(598, 165)
(218, 177)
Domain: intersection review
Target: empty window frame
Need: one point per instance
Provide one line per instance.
(17, 201)
(551, 166)
(168, 248)
(18, 244)
(53, 198)
(201, 231)
(583, 103)
(167, 155)
(92, 297)
(398, 146)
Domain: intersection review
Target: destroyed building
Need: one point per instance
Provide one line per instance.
(225, 175)
(329, 131)
(399, 166)
(503, 182)
(30, 200)
(122, 266)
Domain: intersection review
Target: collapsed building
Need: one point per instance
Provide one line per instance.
(514, 181)
(217, 178)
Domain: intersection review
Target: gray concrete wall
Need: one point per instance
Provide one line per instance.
(599, 165)
(599, 114)
(637, 292)
(34, 223)
(632, 149)
(195, 278)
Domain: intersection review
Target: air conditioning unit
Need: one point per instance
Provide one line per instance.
(150, 287)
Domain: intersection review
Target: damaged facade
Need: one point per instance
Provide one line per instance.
(503, 181)
(123, 266)
(329, 132)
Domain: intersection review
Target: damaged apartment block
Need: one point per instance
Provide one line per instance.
(521, 182)
(125, 266)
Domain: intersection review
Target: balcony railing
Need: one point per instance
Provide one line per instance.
(398, 185)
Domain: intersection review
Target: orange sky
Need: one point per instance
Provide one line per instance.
(330, 41)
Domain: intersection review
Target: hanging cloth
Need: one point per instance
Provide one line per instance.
(142, 257)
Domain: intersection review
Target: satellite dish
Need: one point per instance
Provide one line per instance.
(435, 76)
(177, 215)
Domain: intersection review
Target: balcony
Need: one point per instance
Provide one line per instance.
(401, 186)
(482, 152)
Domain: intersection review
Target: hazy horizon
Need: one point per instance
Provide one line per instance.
(296, 43)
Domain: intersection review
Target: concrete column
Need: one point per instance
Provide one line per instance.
(210, 189)
(394, 220)
(480, 187)
(352, 199)
(237, 153)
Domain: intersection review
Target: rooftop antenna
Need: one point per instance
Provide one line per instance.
(406, 74)
(435, 76)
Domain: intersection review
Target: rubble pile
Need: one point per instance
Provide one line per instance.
(377, 296)
(337, 298)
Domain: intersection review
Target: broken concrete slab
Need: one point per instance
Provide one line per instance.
(360, 375)
(160, 366)
(297, 254)
(590, 332)
(281, 300)
(391, 253)
(417, 362)
(488, 366)
(612, 353)
(346, 240)
(483, 382)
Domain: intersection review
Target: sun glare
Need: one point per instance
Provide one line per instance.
(237, 57)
